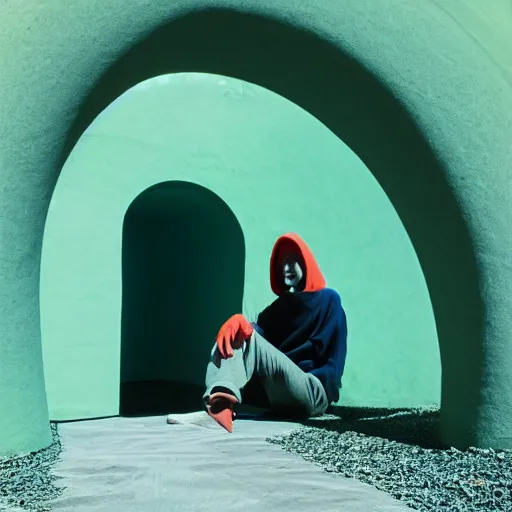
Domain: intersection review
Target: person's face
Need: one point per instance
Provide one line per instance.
(292, 270)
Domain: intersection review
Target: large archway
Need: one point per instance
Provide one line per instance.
(360, 110)
(183, 275)
(209, 138)
(309, 54)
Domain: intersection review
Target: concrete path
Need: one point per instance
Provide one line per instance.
(144, 464)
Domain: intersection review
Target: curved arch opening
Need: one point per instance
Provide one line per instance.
(362, 112)
(183, 259)
(257, 152)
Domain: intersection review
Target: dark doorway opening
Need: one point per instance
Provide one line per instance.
(183, 266)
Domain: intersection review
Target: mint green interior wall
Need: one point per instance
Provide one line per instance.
(278, 169)
(420, 92)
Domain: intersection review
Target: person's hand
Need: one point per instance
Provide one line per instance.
(232, 334)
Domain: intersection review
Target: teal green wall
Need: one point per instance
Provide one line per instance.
(420, 92)
(278, 169)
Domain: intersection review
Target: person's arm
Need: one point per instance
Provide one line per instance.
(262, 321)
(330, 326)
(257, 325)
(333, 350)
(258, 329)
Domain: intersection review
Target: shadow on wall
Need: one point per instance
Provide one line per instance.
(349, 100)
(183, 275)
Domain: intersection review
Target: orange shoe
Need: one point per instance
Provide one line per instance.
(220, 408)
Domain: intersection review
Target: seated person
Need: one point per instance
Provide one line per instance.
(295, 350)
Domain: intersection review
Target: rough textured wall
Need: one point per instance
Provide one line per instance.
(279, 170)
(444, 159)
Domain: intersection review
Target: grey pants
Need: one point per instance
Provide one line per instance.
(288, 388)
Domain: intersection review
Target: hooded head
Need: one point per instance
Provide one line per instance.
(290, 248)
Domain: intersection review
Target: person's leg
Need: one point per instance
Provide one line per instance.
(228, 374)
(255, 395)
(288, 388)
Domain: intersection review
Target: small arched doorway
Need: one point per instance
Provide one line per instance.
(183, 257)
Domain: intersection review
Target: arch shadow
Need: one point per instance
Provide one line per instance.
(360, 110)
(183, 267)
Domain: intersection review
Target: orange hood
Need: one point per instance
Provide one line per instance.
(314, 280)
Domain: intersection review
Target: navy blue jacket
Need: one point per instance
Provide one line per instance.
(311, 329)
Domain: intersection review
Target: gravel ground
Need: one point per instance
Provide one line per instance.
(398, 452)
(26, 482)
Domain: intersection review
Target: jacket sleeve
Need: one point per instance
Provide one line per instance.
(329, 327)
(334, 353)
(262, 321)
(258, 329)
